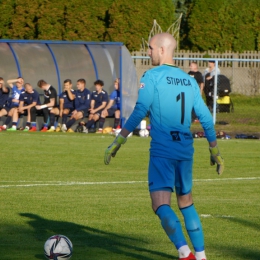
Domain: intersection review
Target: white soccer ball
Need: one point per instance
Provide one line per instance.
(58, 247)
(143, 133)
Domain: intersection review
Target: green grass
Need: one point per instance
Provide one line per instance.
(245, 118)
(57, 183)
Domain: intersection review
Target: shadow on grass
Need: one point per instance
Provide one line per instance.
(91, 242)
(242, 252)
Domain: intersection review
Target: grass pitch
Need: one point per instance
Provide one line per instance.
(55, 183)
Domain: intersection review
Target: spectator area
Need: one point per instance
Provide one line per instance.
(55, 61)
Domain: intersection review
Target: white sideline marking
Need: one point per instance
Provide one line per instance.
(215, 216)
(228, 179)
(62, 183)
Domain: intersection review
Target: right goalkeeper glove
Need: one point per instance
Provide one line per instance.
(215, 157)
(113, 148)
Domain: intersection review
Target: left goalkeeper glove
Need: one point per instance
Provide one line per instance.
(215, 157)
(113, 148)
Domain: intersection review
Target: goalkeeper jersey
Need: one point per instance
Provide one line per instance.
(169, 94)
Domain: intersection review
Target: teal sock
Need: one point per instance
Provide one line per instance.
(194, 228)
(171, 225)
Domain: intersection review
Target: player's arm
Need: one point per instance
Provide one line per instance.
(206, 121)
(5, 89)
(61, 105)
(30, 106)
(11, 82)
(201, 85)
(48, 105)
(21, 106)
(144, 101)
(109, 104)
(100, 107)
(70, 94)
(92, 105)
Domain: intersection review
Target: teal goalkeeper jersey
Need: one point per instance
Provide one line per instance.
(169, 94)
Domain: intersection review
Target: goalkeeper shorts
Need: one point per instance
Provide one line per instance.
(168, 174)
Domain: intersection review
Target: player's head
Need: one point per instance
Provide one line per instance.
(211, 64)
(193, 66)
(161, 48)
(28, 87)
(81, 84)
(116, 83)
(98, 85)
(19, 82)
(67, 84)
(42, 84)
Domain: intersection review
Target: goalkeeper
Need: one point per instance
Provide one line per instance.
(170, 94)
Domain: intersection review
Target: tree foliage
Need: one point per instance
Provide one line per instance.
(224, 25)
(130, 21)
(206, 24)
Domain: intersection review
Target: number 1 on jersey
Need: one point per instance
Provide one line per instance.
(181, 98)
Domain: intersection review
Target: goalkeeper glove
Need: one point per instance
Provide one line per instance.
(215, 157)
(113, 148)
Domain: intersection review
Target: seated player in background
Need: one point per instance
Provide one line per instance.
(81, 105)
(112, 108)
(27, 106)
(67, 98)
(49, 107)
(4, 94)
(99, 99)
(13, 102)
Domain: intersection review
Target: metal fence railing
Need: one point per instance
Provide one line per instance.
(238, 111)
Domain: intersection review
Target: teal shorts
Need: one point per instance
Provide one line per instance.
(169, 174)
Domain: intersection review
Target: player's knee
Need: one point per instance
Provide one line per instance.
(184, 200)
(117, 114)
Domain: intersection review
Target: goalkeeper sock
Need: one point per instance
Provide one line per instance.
(171, 225)
(101, 122)
(193, 227)
(70, 123)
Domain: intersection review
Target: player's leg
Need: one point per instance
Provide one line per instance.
(161, 178)
(27, 113)
(95, 118)
(3, 112)
(13, 113)
(193, 226)
(8, 119)
(64, 118)
(32, 117)
(102, 120)
(69, 124)
(117, 119)
(53, 113)
(46, 114)
(79, 115)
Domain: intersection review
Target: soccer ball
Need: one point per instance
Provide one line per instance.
(58, 247)
(143, 133)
